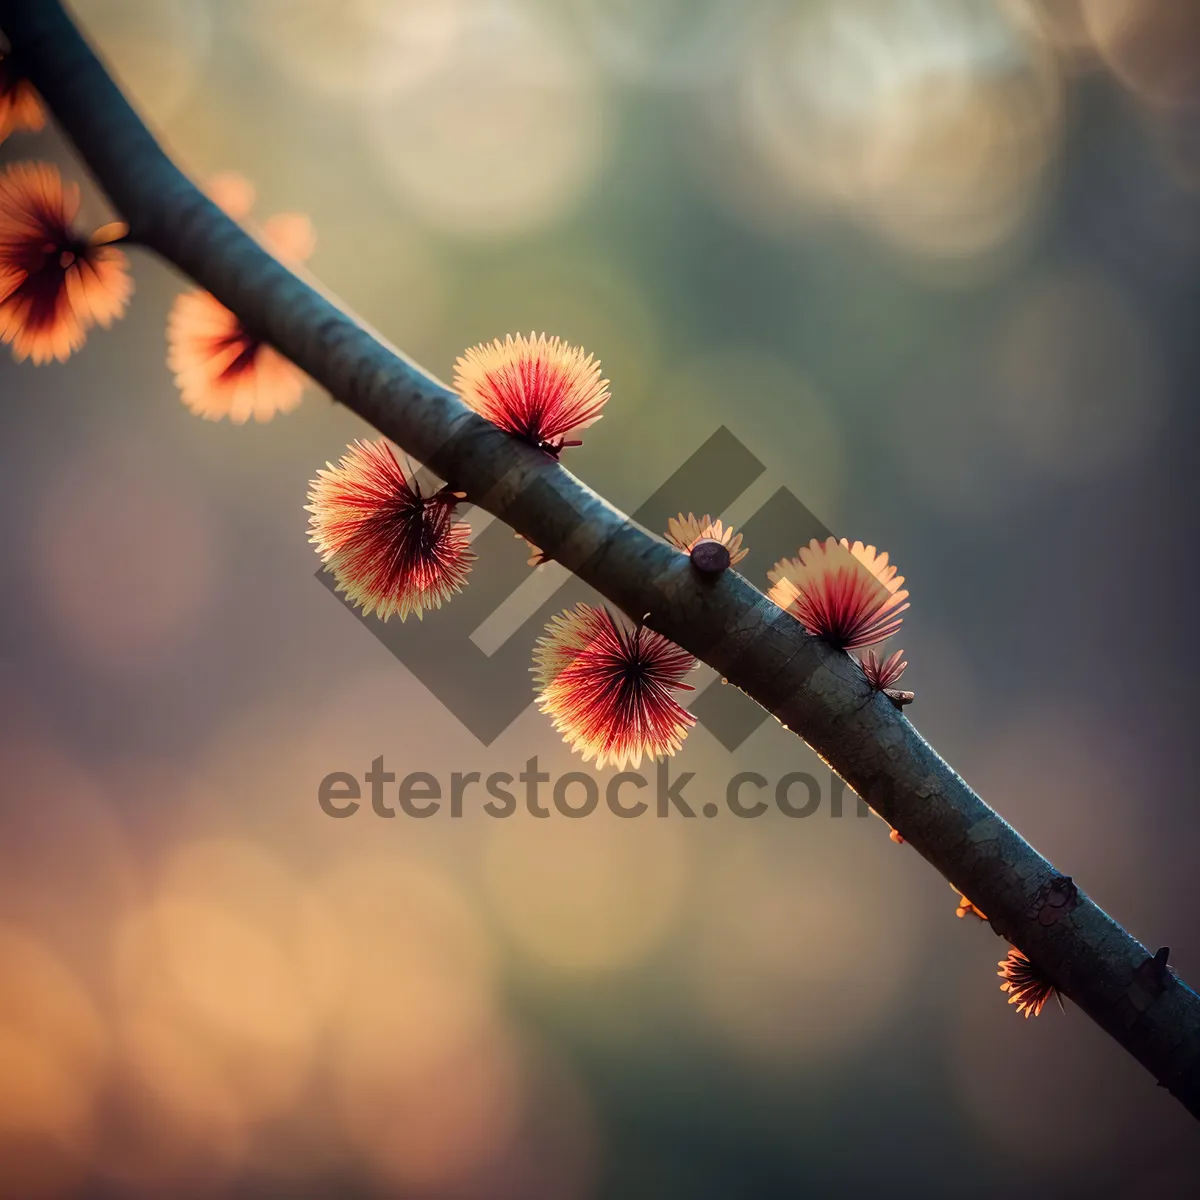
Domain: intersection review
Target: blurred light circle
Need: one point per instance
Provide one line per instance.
(585, 896)
(157, 49)
(503, 137)
(662, 43)
(931, 121)
(426, 1085)
(66, 864)
(417, 963)
(1061, 23)
(355, 47)
(217, 1011)
(241, 877)
(750, 390)
(940, 428)
(145, 1145)
(429, 1126)
(124, 556)
(1080, 380)
(53, 1044)
(554, 1153)
(799, 960)
(1152, 46)
(218, 971)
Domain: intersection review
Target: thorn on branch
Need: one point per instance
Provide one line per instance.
(1153, 976)
(899, 698)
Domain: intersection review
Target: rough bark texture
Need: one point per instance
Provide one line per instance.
(812, 689)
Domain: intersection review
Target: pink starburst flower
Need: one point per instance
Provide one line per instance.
(20, 105)
(537, 388)
(882, 674)
(55, 284)
(390, 548)
(220, 367)
(608, 687)
(846, 594)
(685, 532)
(1027, 985)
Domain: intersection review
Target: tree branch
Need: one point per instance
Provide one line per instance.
(812, 689)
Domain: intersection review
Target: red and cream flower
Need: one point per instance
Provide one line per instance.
(55, 284)
(20, 105)
(607, 686)
(537, 388)
(391, 549)
(685, 532)
(220, 367)
(846, 594)
(1027, 985)
(883, 673)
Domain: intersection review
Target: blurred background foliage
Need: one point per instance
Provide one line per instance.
(937, 263)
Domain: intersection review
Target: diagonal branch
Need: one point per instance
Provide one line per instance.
(727, 623)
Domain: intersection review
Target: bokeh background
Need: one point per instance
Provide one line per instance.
(937, 263)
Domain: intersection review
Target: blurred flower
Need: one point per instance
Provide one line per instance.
(231, 192)
(54, 284)
(685, 532)
(848, 595)
(536, 389)
(220, 367)
(930, 122)
(882, 675)
(20, 107)
(391, 549)
(586, 905)
(1026, 985)
(608, 687)
(290, 236)
(506, 67)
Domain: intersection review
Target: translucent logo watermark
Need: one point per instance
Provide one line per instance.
(487, 692)
(661, 792)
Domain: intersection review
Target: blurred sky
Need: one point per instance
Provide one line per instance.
(937, 263)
